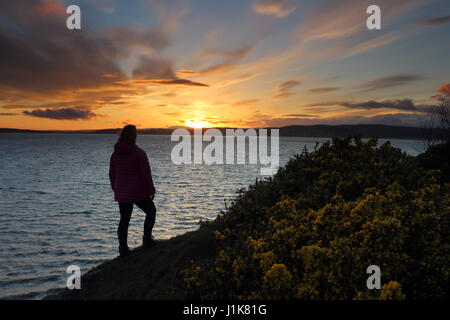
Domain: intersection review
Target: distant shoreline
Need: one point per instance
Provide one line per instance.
(313, 131)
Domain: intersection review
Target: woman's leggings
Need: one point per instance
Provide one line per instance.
(126, 208)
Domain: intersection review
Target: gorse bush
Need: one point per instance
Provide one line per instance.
(311, 231)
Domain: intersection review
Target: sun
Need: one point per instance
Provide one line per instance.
(197, 123)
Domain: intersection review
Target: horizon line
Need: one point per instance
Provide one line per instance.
(227, 127)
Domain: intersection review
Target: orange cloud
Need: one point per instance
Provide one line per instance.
(186, 73)
(444, 89)
(170, 82)
(279, 8)
(49, 7)
(323, 90)
(285, 87)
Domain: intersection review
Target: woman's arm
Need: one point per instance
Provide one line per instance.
(112, 172)
(146, 174)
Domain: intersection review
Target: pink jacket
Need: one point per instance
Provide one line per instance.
(130, 174)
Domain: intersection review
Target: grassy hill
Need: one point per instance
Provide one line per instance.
(309, 232)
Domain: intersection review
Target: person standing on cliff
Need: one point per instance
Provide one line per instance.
(131, 180)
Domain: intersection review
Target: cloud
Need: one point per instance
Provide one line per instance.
(289, 84)
(284, 89)
(269, 120)
(245, 102)
(323, 90)
(44, 62)
(106, 6)
(405, 104)
(47, 7)
(282, 95)
(230, 58)
(434, 22)
(159, 71)
(339, 19)
(227, 53)
(444, 89)
(300, 115)
(153, 68)
(173, 114)
(43, 57)
(220, 67)
(390, 81)
(393, 119)
(179, 82)
(236, 79)
(101, 96)
(62, 114)
(187, 73)
(126, 38)
(279, 8)
(337, 29)
(399, 104)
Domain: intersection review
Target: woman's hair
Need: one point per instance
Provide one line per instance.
(128, 134)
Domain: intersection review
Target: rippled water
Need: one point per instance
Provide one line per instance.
(57, 208)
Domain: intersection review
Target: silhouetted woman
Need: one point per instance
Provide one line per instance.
(131, 180)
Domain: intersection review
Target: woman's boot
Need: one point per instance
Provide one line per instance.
(124, 251)
(148, 242)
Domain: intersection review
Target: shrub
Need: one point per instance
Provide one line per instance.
(311, 231)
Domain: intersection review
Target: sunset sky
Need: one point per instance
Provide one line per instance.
(234, 63)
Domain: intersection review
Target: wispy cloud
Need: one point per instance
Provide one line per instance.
(179, 82)
(146, 39)
(231, 58)
(299, 115)
(289, 84)
(399, 104)
(394, 119)
(324, 90)
(245, 102)
(435, 22)
(278, 8)
(338, 19)
(284, 89)
(236, 79)
(405, 104)
(187, 73)
(390, 81)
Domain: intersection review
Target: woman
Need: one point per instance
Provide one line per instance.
(131, 180)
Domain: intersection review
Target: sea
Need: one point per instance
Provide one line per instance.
(57, 208)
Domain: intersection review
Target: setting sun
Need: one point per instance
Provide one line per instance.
(196, 123)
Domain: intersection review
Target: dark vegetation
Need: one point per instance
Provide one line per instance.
(436, 130)
(309, 232)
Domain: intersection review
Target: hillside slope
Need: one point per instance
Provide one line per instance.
(309, 232)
